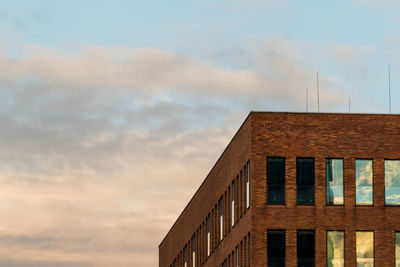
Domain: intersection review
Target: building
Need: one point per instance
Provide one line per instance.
(296, 189)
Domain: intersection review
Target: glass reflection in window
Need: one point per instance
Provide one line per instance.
(334, 182)
(365, 248)
(392, 182)
(364, 188)
(335, 248)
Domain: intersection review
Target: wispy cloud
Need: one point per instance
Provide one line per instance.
(102, 147)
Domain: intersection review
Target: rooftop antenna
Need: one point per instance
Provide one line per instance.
(318, 90)
(307, 99)
(390, 96)
(349, 104)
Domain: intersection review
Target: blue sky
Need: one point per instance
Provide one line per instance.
(108, 107)
(214, 30)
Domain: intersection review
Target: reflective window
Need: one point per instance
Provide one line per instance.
(335, 248)
(305, 248)
(193, 251)
(233, 203)
(365, 249)
(334, 182)
(276, 180)
(392, 182)
(276, 248)
(221, 219)
(364, 188)
(208, 235)
(248, 185)
(305, 181)
(397, 249)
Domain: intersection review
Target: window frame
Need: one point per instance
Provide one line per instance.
(384, 180)
(315, 244)
(395, 259)
(284, 234)
(373, 181)
(284, 180)
(373, 247)
(344, 245)
(297, 202)
(344, 184)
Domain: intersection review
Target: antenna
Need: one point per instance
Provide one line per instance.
(390, 96)
(307, 99)
(318, 90)
(349, 104)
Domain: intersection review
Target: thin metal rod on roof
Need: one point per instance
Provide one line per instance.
(307, 99)
(318, 90)
(349, 104)
(390, 96)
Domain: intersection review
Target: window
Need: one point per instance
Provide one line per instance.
(392, 182)
(276, 248)
(221, 219)
(248, 250)
(335, 248)
(276, 180)
(305, 181)
(185, 257)
(233, 203)
(237, 257)
(365, 248)
(208, 235)
(305, 248)
(248, 185)
(193, 251)
(397, 241)
(364, 189)
(334, 182)
(241, 200)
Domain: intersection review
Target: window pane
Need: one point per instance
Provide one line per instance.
(334, 182)
(248, 186)
(335, 248)
(208, 235)
(365, 249)
(276, 248)
(305, 248)
(221, 219)
(305, 181)
(397, 249)
(233, 203)
(276, 180)
(392, 182)
(193, 251)
(364, 189)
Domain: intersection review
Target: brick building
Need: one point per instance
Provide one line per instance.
(296, 189)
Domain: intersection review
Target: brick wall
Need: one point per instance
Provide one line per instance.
(321, 136)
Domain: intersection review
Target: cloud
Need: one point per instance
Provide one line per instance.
(102, 147)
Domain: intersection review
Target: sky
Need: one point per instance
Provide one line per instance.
(113, 112)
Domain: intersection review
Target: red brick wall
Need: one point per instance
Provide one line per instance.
(229, 165)
(319, 135)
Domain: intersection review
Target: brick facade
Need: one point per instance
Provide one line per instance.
(292, 135)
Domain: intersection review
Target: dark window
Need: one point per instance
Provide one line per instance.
(276, 248)
(193, 251)
(305, 181)
(276, 180)
(305, 248)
